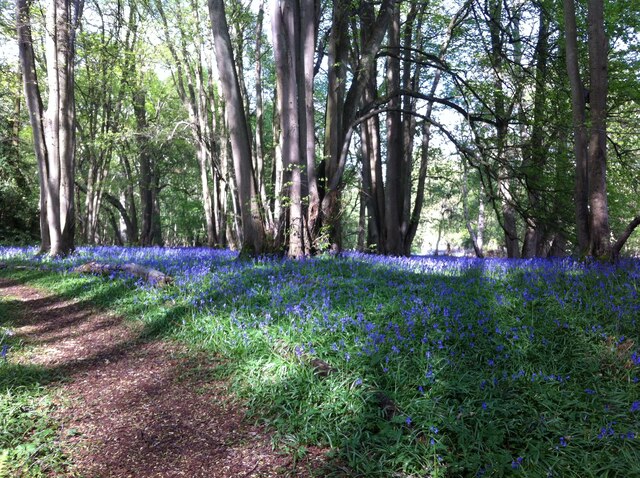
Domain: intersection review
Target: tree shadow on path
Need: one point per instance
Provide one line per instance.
(136, 407)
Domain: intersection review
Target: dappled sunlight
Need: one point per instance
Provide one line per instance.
(445, 366)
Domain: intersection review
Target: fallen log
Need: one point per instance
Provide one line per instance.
(147, 274)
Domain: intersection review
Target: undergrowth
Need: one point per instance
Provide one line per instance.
(433, 367)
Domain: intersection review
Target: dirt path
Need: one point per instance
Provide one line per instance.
(141, 409)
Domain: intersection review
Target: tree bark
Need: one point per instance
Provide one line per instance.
(578, 106)
(600, 245)
(286, 38)
(252, 224)
(394, 193)
(343, 119)
(54, 129)
(36, 111)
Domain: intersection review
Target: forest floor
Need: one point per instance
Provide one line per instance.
(129, 407)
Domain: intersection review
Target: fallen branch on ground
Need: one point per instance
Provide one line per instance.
(147, 274)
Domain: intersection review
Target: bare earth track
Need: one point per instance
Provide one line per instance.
(140, 409)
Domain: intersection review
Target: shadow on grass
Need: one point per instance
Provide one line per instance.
(148, 408)
(481, 407)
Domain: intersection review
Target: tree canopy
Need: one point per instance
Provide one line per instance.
(303, 126)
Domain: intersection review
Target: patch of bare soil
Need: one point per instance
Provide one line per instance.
(141, 409)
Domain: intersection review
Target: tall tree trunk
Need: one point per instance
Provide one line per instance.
(333, 141)
(309, 20)
(509, 224)
(146, 167)
(259, 132)
(36, 112)
(394, 192)
(535, 158)
(252, 224)
(343, 119)
(54, 129)
(578, 102)
(286, 37)
(599, 245)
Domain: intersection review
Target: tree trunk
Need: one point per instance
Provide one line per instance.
(509, 224)
(334, 130)
(36, 113)
(535, 157)
(252, 225)
(286, 38)
(53, 129)
(343, 119)
(578, 102)
(259, 132)
(600, 245)
(310, 14)
(394, 193)
(146, 168)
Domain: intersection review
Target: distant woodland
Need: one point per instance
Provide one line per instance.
(297, 127)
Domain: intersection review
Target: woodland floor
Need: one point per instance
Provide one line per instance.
(134, 408)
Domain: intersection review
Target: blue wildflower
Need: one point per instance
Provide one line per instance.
(515, 464)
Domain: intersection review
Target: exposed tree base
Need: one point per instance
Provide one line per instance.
(147, 274)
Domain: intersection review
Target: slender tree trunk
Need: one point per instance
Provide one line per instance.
(286, 36)
(334, 130)
(146, 168)
(36, 112)
(309, 19)
(252, 225)
(535, 158)
(509, 224)
(130, 204)
(259, 132)
(578, 97)
(336, 160)
(394, 192)
(414, 220)
(600, 245)
(372, 174)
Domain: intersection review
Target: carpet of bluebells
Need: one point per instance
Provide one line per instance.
(493, 367)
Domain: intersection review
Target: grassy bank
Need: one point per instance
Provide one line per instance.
(404, 367)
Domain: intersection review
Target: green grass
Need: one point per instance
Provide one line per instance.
(28, 435)
(496, 370)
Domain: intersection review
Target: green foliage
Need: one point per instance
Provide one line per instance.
(495, 367)
(18, 176)
(28, 434)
